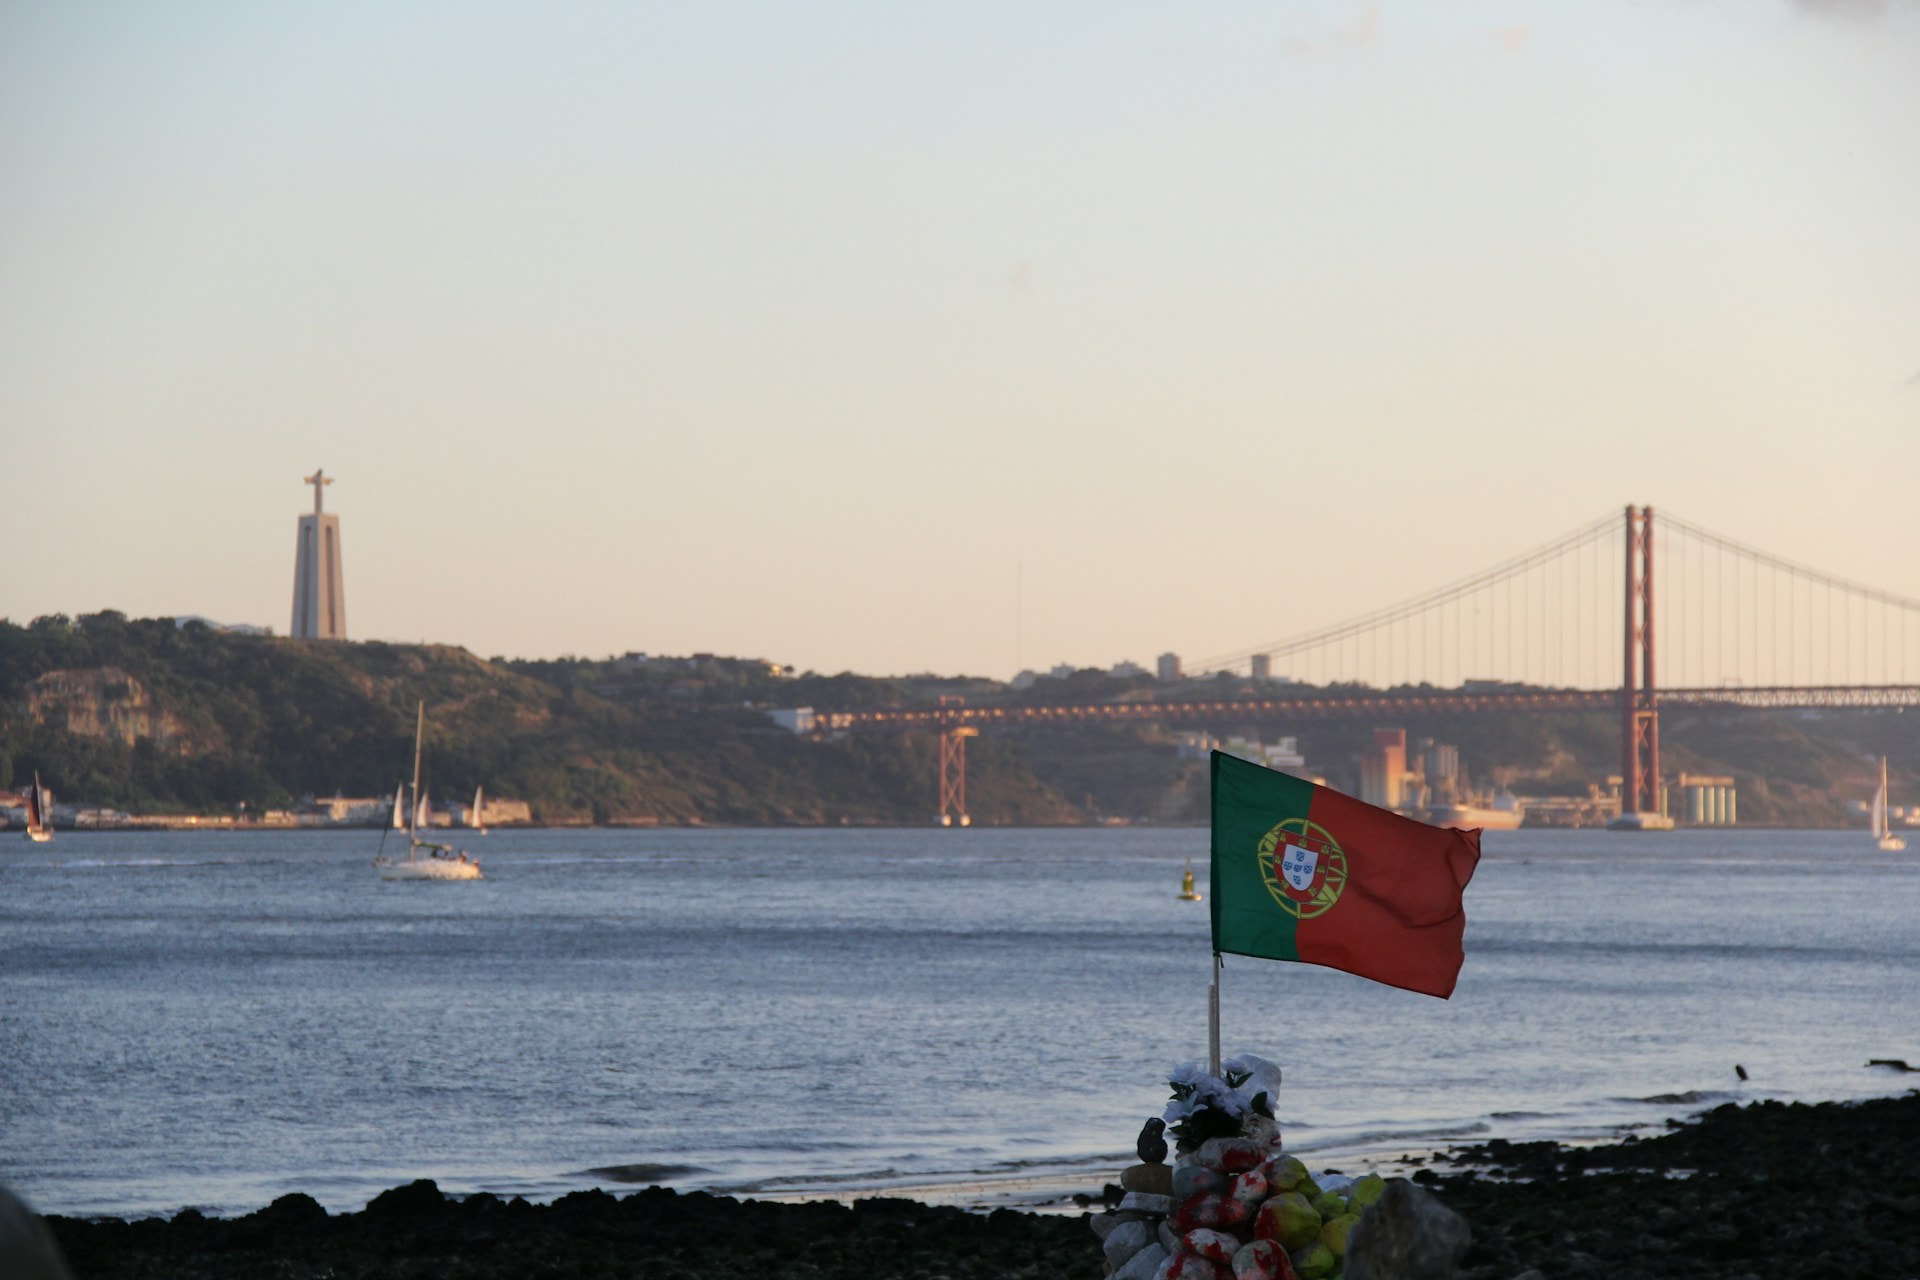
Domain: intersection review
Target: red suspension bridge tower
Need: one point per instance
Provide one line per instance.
(1640, 807)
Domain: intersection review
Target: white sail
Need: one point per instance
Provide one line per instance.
(400, 807)
(39, 821)
(473, 817)
(1883, 836)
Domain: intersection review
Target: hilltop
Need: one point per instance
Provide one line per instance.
(154, 716)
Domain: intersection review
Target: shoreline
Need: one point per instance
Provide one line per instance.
(204, 825)
(1818, 1189)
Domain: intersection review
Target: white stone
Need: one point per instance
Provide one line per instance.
(1146, 1202)
(1126, 1240)
(1144, 1265)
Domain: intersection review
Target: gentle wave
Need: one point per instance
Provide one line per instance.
(88, 864)
(648, 1174)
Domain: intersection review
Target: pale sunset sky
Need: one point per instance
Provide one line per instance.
(804, 331)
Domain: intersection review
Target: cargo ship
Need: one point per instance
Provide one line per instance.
(1503, 814)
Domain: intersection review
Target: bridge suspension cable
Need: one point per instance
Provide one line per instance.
(1731, 615)
(1322, 646)
(1736, 615)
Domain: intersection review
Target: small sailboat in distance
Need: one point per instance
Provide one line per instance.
(1883, 837)
(425, 860)
(400, 807)
(39, 822)
(474, 818)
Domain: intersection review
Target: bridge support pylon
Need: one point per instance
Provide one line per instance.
(953, 776)
(1640, 800)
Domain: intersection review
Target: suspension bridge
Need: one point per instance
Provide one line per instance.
(1567, 626)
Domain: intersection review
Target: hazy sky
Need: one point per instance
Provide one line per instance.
(804, 331)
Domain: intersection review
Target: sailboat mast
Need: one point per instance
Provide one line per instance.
(1882, 821)
(419, 733)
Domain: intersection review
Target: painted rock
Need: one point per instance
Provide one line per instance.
(1214, 1246)
(1315, 1262)
(1198, 1211)
(1191, 1266)
(1262, 1260)
(1191, 1180)
(1249, 1188)
(1333, 1233)
(1328, 1204)
(1289, 1221)
(1285, 1173)
(1229, 1155)
(1262, 1131)
(1366, 1190)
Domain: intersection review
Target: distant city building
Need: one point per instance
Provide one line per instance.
(1708, 802)
(1128, 669)
(1438, 765)
(319, 591)
(1168, 667)
(1283, 755)
(349, 809)
(793, 719)
(1262, 666)
(1383, 769)
(500, 813)
(1025, 679)
(225, 628)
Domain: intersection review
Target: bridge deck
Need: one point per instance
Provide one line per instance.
(1437, 702)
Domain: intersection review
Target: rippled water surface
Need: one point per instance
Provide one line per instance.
(216, 1020)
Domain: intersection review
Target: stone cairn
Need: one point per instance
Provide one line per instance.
(1232, 1207)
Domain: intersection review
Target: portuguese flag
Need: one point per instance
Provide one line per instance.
(1305, 873)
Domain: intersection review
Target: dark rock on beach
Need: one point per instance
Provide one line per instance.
(413, 1233)
(1763, 1190)
(1766, 1190)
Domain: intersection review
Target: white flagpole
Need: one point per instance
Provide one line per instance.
(1213, 1020)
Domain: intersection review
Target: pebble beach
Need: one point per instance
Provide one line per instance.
(1769, 1189)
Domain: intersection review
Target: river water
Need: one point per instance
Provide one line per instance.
(215, 1020)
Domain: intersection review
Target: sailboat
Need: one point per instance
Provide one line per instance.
(474, 819)
(1883, 837)
(425, 860)
(400, 807)
(39, 823)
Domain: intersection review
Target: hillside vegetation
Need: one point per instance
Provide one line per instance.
(150, 717)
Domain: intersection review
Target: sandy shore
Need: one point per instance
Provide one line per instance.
(1766, 1190)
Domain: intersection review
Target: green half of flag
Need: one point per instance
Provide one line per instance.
(1305, 873)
